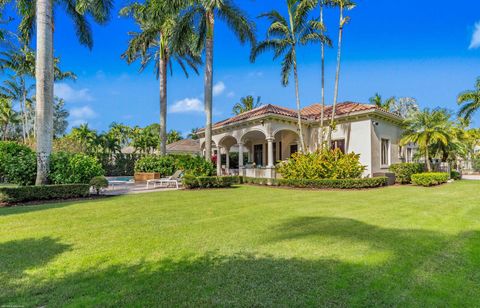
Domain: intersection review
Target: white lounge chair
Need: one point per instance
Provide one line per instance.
(174, 179)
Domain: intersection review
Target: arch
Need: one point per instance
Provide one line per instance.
(228, 141)
(289, 129)
(254, 134)
(202, 145)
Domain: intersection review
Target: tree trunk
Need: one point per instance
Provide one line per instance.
(209, 84)
(427, 160)
(163, 104)
(337, 78)
(24, 112)
(297, 94)
(322, 112)
(5, 132)
(44, 88)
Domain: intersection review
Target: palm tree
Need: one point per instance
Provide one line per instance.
(156, 42)
(470, 101)
(377, 100)
(85, 136)
(283, 37)
(343, 5)
(7, 116)
(193, 134)
(427, 128)
(38, 15)
(204, 14)
(16, 89)
(174, 136)
(322, 4)
(246, 104)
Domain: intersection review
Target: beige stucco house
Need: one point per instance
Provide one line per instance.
(269, 134)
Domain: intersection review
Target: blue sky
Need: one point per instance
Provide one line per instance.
(429, 50)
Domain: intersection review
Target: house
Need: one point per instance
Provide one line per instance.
(269, 134)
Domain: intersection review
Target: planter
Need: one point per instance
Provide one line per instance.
(145, 176)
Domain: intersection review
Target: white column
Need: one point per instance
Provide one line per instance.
(271, 162)
(240, 155)
(219, 161)
(227, 163)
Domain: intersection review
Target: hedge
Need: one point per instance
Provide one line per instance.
(404, 171)
(430, 179)
(47, 192)
(322, 183)
(193, 182)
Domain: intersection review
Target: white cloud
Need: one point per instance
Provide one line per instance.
(475, 43)
(231, 94)
(82, 113)
(219, 88)
(71, 95)
(187, 105)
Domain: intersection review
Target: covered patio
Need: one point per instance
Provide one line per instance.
(256, 149)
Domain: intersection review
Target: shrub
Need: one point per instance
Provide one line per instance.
(68, 168)
(98, 183)
(167, 165)
(404, 171)
(119, 165)
(455, 175)
(429, 179)
(192, 182)
(47, 192)
(321, 183)
(328, 164)
(18, 164)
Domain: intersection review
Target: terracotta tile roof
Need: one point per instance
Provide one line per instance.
(262, 110)
(184, 146)
(345, 108)
(311, 112)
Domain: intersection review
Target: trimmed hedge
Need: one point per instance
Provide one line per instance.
(430, 179)
(47, 192)
(455, 175)
(322, 183)
(404, 171)
(193, 182)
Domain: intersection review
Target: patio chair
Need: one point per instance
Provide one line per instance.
(174, 179)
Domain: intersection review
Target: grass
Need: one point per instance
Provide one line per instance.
(248, 246)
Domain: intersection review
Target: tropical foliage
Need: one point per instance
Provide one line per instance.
(326, 164)
(284, 35)
(246, 103)
(469, 101)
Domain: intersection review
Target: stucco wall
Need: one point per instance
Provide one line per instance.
(388, 131)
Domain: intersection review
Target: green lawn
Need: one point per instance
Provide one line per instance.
(247, 246)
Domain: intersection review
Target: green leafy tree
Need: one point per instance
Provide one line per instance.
(38, 15)
(203, 14)
(159, 41)
(174, 136)
(469, 101)
(246, 104)
(343, 20)
(284, 36)
(193, 134)
(428, 129)
(378, 101)
(8, 116)
(60, 117)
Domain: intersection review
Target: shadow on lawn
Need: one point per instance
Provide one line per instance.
(426, 269)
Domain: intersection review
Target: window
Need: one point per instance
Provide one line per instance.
(338, 144)
(293, 149)
(385, 152)
(409, 155)
(258, 154)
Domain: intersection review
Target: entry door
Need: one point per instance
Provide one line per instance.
(258, 154)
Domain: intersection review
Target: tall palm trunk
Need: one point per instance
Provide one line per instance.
(5, 131)
(297, 94)
(427, 158)
(209, 84)
(337, 77)
(44, 88)
(23, 108)
(163, 104)
(322, 112)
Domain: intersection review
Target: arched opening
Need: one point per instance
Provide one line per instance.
(229, 156)
(286, 144)
(214, 149)
(256, 147)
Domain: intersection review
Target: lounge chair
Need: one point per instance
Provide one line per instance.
(174, 179)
